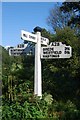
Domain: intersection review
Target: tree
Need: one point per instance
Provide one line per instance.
(47, 34)
(75, 7)
(57, 18)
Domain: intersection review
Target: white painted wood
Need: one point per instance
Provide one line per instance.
(37, 77)
(28, 36)
(53, 52)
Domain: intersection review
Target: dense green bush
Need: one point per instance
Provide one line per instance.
(37, 108)
(65, 111)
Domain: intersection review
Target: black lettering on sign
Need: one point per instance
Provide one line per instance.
(51, 49)
(60, 52)
(55, 52)
(67, 48)
(51, 56)
(44, 52)
(45, 49)
(67, 52)
(44, 39)
(55, 44)
(25, 35)
(55, 56)
(31, 37)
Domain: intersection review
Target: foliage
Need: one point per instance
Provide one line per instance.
(64, 110)
(57, 19)
(75, 7)
(67, 36)
(38, 108)
(65, 14)
(48, 98)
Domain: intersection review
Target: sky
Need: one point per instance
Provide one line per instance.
(17, 16)
(34, 0)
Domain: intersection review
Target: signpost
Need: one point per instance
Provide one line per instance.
(38, 40)
(56, 50)
(52, 51)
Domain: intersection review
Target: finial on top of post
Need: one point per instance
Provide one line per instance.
(37, 29)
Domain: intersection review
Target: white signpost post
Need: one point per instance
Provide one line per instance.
(52, 51)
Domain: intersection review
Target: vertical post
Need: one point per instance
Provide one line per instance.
(37, 76)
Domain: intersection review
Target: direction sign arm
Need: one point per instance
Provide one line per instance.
(28, 36)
